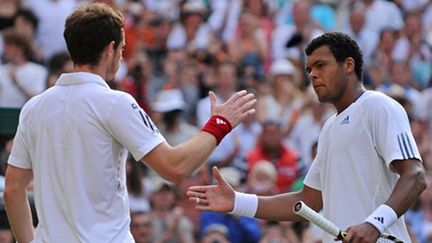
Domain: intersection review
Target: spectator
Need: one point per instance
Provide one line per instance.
(250, 45)
(283, 103)
(413, 48)
(8, 9)
(262, 179)
(139, 75)
(270, 147)
(200, 176)
(141, 227)
(289, 40)
(51, 15)
(170, 225)
(173, 126)
(138, 186)
(215, 233)
(366, 38)
(20, 79)
(58, 64)
(191, 32)
(308, 127)
(381, 15)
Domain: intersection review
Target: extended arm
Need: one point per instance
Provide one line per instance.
(176, 163)
(17, 204)
(220, 198)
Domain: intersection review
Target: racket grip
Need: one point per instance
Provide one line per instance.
(300, 208)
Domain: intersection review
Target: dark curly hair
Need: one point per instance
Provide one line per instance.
(342, 46)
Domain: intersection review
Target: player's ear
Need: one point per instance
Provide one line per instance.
(349, 65)
(109, 49)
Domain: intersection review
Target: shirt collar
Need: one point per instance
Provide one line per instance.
(80, 78)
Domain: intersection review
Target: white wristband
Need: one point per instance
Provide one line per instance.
(382, 218)
(245, 204)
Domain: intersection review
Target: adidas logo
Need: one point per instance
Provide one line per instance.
(220, 121)
(380, 219)
(345, 120)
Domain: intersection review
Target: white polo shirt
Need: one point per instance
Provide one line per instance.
(75, 137)
(352, 167)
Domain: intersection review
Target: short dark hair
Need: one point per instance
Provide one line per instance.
(29, 16)
(90, 29)
(342, 46)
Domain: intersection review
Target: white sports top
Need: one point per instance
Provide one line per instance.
(352, 167)
(75, 137)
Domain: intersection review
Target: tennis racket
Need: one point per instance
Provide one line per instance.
(300, 208)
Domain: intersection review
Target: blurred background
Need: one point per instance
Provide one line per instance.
(177, 50)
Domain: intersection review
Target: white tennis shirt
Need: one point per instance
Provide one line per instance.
(352, 167)
(75, 137)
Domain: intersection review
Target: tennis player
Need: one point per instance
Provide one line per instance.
(367, 172)
(73, 140)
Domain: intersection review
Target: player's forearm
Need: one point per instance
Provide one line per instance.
(408, 188)
(177, 163)
(192, 153)
(278, 207)
(19, 215)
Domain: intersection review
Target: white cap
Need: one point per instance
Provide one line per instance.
(169, 100)
(196, 6)
(281, 66)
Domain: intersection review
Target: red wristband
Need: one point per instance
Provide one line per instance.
(218, 126)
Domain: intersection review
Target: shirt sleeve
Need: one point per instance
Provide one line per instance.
(391, 131)
(130, 125)
(20, 155)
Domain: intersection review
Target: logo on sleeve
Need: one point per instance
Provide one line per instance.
(345, 120)
(134, 106)
(379, 219)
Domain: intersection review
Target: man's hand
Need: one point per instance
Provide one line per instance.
(236, 108)
(217, 198)
(363, 233)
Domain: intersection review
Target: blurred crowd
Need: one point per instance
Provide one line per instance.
(178, 50)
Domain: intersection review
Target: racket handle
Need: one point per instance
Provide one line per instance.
(300, 208)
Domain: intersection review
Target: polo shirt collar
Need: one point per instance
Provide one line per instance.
(80, 78)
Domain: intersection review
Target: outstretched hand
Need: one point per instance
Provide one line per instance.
(217, 198)
(236, 108)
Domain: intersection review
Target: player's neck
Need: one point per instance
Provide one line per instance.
(349, 97)
(99, 70)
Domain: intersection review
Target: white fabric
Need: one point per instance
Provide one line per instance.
(355, 151)
(31, 77)
(177, 38)
(383, 14)
(245, 204)
(382, 218)
(277, 112)
(425, 108)
(74, 137)
(401, 51)
(52, 16)
(303, 136)
(413, 5)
